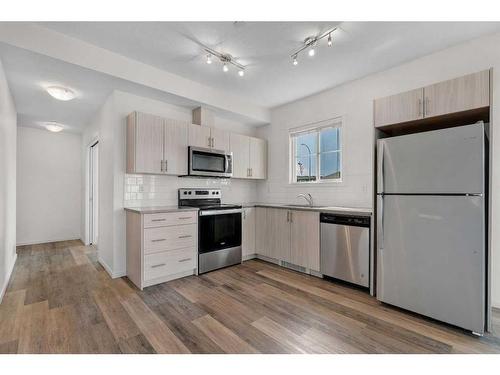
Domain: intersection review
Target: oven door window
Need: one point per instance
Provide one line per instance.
(208, 162)
(218, 232)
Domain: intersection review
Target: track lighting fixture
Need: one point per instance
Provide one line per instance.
(310, 44)
(226, 60)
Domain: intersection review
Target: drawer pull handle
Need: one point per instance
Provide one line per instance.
(159, 240)
(184, 260)
(158, 265)
(185, 217)
(158, 219)
(186, 236)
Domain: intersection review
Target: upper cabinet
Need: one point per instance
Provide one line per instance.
(404, 107)
(199, 136)
(157, 145)
(258, 158)
(249, 156)
(154, 145)
(460, 94)
(456, 95)
(208, 137)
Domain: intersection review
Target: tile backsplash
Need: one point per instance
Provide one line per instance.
(154, 190)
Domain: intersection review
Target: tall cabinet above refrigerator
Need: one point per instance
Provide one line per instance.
(432, 224)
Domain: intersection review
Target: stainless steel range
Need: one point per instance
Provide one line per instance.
(219, 228)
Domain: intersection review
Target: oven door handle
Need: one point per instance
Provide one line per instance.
(221, 212)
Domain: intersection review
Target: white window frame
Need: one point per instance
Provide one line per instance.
(315, 128)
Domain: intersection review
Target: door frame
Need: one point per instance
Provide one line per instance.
(87, 195)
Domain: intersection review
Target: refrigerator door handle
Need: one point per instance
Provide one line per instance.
(380, 222)
(380, 167)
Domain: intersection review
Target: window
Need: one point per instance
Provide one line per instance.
(317, 154)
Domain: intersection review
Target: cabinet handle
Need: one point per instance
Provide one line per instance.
(184, 260)
(161, 165)
(209, 143)
(159, 240)
(184, 217)
(291, 216)
(288, 216)
(158, 265)
(166, 165)
(158, 219)
(186, 236)
(420, 107)
(213, 142)
(251, 172)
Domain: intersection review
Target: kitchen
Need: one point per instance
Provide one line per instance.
(289, 224)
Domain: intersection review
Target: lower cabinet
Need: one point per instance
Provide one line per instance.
(161, 246)
(288, 235)
(248, 232)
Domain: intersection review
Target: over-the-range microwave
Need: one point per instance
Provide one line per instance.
(209, 162)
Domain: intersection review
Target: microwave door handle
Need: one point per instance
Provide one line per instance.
(227, 164)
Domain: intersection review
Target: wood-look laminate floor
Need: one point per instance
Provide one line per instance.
(60, 300)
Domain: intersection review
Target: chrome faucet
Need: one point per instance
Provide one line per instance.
(308, 197)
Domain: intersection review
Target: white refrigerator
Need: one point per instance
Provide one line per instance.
(431, 224)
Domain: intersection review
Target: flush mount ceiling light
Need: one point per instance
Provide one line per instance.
(310, 44)
(61, 93)
(226, 59)
(54, 127)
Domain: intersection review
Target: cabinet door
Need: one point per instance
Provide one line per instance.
(240, 147)
(278, 226)
(398, 108)
(459, 94)
(220, 139)
(199, 136)
(304, 247)
(175, 147)
(148, 143)
(261, 242)
(258, 158)
(248, 231)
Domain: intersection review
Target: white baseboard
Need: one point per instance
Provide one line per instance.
(41, 242)
(495, 304)
(7, 279)
(114, 275)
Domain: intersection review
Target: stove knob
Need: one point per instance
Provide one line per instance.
(185, 192)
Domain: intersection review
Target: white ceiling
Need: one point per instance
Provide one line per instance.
(360, 48)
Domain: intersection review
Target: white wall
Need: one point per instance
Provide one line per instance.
(8, 134)
(354, 102)
(109, 125)
(48, 186)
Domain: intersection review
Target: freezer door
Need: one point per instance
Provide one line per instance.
(434, 162)
(431, 257)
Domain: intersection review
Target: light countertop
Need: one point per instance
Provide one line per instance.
(159, 209)
(326, 209)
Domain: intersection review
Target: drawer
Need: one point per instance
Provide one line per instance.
(170, 218)
(170, 238)
(169, 263)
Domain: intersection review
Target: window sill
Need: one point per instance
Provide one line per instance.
(317, 184)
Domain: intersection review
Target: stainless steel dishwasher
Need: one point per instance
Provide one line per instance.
(345, 248)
